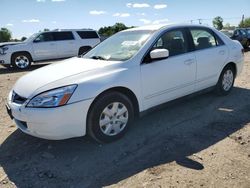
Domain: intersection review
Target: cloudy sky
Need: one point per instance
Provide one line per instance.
(25, 17)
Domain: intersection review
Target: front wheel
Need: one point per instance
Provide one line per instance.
(226, 80)
(109, 117)
(21, 60)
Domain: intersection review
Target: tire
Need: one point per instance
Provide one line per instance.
(247, 45)
(83, 50)
(226, 80)
(21, 60)
(105, 122)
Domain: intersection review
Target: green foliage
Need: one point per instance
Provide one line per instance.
(110, 30)
(245, 23)
(228, 26)
(218, 22)
(5, 35)
(23, 38)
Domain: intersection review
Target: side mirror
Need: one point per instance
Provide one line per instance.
(159, 54)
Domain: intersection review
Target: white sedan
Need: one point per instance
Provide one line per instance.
(100, 93)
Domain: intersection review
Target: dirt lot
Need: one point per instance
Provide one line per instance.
(202, 141)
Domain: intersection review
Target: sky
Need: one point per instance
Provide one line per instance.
(25, 17)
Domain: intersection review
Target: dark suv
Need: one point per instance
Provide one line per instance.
(243, 36)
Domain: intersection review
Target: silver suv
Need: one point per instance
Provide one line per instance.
(48, 45)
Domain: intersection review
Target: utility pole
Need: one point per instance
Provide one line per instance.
(242, 21)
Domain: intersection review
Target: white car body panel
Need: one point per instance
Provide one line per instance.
(44, 50)
(181, 70)
(152, 84)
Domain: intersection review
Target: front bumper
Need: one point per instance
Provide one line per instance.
(5, 59)
(52, 123)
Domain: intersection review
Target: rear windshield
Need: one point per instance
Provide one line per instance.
(87, 34)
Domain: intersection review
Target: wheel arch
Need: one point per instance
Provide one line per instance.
(84, 48)
(124, 90)
(26, 52)
(233, 65)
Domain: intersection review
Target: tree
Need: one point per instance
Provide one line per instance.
(228, 26)
(245, 23)
(23, 38)
(44, 30)
(110, 30)
(218, 22)
(5, 35)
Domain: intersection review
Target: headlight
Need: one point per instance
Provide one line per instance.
(3, 50)
(53, 98)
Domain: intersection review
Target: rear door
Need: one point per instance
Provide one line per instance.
(66, 43)
(211, 54)
(44, 47)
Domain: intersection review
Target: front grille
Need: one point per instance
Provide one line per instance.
(17, 98)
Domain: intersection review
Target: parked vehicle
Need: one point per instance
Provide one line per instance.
(242, 36)
(127, 74)
(229, 33)
(49, 45)
(247, 30)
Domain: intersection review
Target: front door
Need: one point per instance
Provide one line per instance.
(170, 78)
(44, 47)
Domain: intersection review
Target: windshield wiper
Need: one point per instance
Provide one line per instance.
(98, 57)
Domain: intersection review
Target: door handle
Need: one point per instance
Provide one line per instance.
(189, 61)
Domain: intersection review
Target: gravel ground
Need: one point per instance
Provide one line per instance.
(203, 141)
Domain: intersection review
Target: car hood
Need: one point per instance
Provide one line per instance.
(2, 44)
(54, 75)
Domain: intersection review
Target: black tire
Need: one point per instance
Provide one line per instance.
(247, 44)
(221, 89)
(96, 111)
(22, 55)
(84, 50)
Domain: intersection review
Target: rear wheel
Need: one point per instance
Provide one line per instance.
(109, 117)
(83, 50)
(226, 80)
(247, 44)
(21, 60)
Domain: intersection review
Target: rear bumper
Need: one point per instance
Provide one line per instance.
(52, 123)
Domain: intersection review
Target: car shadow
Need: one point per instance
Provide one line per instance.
(5, 70)
(171, 134)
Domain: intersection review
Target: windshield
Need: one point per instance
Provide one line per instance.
(120, 47)
(31, 37)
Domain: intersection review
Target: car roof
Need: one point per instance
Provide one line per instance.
(164, 26)
(59, 30)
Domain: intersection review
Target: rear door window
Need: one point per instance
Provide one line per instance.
(203, 39)
(63, 35)
(87, 34)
